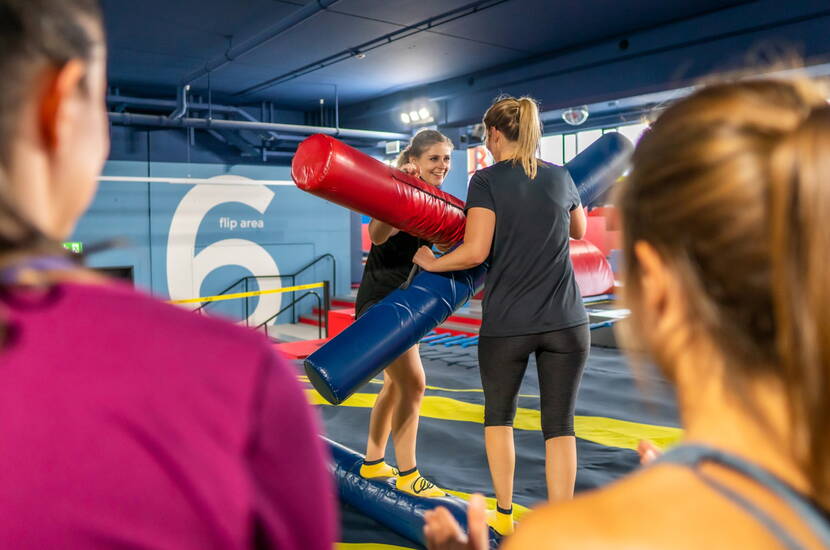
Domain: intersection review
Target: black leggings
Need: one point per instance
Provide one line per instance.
(560, 358)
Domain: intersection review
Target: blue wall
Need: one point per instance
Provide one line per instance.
(188, 240)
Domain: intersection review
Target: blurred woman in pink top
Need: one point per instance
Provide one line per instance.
(159, 429)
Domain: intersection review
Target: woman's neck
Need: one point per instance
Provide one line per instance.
(755, 425)
(29, 192)
(508, 152)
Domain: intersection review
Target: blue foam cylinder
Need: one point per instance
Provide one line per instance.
(387, 329)
(379, 500)
(595, 169)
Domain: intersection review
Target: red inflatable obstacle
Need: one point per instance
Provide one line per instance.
(591, 269)
(330, 169)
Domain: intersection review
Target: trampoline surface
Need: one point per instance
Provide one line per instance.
(614, 411)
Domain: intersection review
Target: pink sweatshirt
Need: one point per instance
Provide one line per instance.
(129, 423)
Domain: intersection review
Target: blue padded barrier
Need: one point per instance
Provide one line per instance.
(432, 337)
(595, 169)
(449, 341)
(473, 341)
(379, 500)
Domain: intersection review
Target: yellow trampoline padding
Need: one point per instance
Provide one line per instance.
(598, 429)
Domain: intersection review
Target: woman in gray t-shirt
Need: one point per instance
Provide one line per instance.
(520, 214)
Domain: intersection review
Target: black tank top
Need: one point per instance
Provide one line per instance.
(387, 268)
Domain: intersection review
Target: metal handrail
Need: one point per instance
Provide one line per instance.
(322, 306)
(292, 276)
(333, 270)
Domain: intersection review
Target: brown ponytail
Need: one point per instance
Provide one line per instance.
(518, 119)
(799, 246)
(730, 187)
(403, 157)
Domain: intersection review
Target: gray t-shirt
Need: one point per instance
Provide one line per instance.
(530, 286)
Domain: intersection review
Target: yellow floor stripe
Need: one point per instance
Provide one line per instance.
(604, 431)
(435, 388)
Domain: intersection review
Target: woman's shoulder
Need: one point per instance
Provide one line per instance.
(656, 508)
(553, 170)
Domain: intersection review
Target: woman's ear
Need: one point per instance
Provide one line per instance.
(653, 279)
(59, 88)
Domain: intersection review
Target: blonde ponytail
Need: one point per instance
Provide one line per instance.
(530, 134)
(518, 120)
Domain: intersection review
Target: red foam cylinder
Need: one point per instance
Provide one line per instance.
(591, 269)
(330, 169)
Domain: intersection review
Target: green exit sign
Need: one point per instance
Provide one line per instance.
(77, 248)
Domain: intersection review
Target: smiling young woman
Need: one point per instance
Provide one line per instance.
(390, 261)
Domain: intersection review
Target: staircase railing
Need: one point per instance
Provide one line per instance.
(291, 276)
(322, 311)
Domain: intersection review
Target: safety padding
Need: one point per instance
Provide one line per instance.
(387, 329)
(330, 169)
(591, 269)
(398, 511)
(595, 169)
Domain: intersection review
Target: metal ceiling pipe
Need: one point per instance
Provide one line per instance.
(181, 102)
(130, 119)
(287, 23)
(165, 103)
(278, 154)
(225, 109)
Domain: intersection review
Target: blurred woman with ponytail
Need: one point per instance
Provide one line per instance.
(398, 404)
(725, 241)
(520, 214)
(124, 422)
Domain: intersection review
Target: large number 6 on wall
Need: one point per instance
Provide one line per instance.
(186, 270)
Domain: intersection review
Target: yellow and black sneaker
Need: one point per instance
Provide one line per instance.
(377, 469)
(501, 520)
(413, 483)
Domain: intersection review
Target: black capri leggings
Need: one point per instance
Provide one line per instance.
(560, 359)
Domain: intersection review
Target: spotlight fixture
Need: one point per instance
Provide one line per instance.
(418, 114)
(575, 115)
(360, 55)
